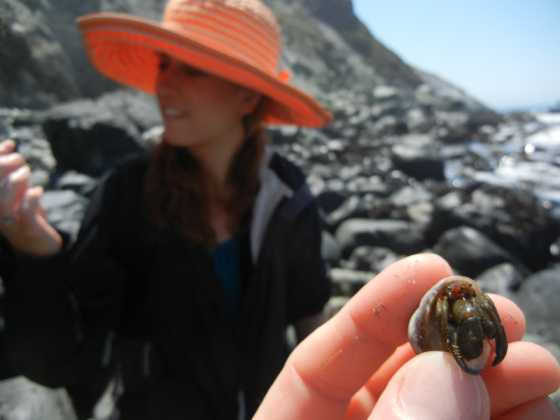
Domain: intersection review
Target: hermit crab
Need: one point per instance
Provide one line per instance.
(457, 317)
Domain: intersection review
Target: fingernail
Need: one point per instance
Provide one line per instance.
(434, 387)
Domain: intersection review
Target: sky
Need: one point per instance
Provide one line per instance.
(504, 53)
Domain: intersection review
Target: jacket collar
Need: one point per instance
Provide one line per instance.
(271, 192)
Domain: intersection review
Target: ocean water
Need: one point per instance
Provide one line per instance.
(521, 154)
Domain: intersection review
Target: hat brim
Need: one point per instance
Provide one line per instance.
(124, 48)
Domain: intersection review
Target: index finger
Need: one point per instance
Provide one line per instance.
(333, 363)
(7, 146)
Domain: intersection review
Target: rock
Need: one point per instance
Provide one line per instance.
(90, 137)
(527, 233)
(65, 210)
(23, 399)
(348, 282)
(329, 200)
(398, 235)
(35, 70)
(334, 305)
(503, 279)
(471, 252)
(417, 156)
(538, 298)
(371, 259)
(352, 207)
(364, 185)
(386, 93)
(409, 195)
(330, 251)
(72, 180)
(421, 213)
(34, 148)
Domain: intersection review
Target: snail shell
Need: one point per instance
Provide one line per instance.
(423, 333)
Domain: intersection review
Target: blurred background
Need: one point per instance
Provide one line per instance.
(446, 139)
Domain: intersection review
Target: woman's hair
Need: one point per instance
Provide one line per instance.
(176, 197)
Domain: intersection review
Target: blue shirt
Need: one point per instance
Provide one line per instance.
(226, 265)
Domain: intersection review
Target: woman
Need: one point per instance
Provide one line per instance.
(192, 261)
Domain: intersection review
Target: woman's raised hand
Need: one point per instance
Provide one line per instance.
(22, 218)
(360, 366)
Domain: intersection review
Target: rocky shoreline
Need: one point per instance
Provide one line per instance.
(382, 196)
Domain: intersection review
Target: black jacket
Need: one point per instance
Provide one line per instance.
(153, 304)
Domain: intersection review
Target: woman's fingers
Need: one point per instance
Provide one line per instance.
(12, 190)
(364, 400)
(512, 318)
(541, 409)
(527, 373)
(433, 386)
(332, 364)
(14, 178)
(362, 403)
(7, 146)
(365, 344)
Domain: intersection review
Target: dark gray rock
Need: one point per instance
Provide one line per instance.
(34, 148)
(503, 279)
(538, 298)
(90, 137)
(71, 180)
(398, 235)
(417, 156)
(35, 71)
(329, 200)
(471, 252)
(65, 210)
(512, 218)
(330, 250)
(348, 282)
(352, 207)
(371, 259)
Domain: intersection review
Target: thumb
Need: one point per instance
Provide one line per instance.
(432, 386)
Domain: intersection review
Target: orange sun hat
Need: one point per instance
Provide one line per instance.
(238, 40)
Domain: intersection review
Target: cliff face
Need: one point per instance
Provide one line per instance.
(339, 14)
(329, 51)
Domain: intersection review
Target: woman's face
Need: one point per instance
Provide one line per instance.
(200, 109)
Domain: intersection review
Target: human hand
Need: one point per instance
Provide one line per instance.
(359, 365)
(22, 218)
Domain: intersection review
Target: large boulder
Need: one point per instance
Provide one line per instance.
(513, 218)
(91, 137)
(417, 156)
(470, 252)
(35, 71)
(538, 298)
(503, 279)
